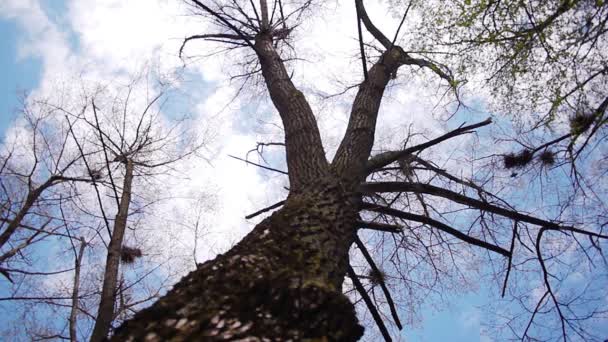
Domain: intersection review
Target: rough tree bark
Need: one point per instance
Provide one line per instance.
(284, 279)
(105, 313)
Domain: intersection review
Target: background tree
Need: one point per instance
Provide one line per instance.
(546, 61)
(126, 154)
(143, 148)
(36, 161)
(285, 278)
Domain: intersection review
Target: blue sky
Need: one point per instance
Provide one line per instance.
(18, 74)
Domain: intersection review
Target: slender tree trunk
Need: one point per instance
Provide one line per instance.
(74, 312)
(282, 281)
(264, 11)
(105, 313)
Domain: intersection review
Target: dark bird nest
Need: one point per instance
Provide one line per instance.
(376, 277)
(547, 157)
(521, 159)
(95, 174)
(580, 123)
(129, 254)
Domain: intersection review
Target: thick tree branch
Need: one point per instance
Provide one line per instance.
(362, 50)
(356, 145)
(73, 320)
(434, 223)
(369, 25)
(386, 158)
(105, 313)
(382, 227)
(304, 151)
(471, 202)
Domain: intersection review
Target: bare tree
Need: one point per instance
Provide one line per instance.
(35, 161)
(121, 145)
(284, 279)
(134, 145)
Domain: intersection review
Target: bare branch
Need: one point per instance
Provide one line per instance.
(385, 290)
(261, 211)
(224, 21)
(383, 227)
(475, 203)
(370, 305)
(258, 165)
(434, 223)
(386, 158)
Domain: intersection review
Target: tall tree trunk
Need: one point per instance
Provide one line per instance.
(105, 313)
(282, 281)
(75, 291)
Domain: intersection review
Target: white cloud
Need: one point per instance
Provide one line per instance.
(41, 38)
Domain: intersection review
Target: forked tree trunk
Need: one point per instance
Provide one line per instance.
(105, 313)
(283, 281)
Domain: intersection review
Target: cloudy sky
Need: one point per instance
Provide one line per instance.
(45, 42)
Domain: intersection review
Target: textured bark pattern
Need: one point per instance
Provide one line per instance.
(281, 282)
(305, 156)
(356, 146)
(105, 313)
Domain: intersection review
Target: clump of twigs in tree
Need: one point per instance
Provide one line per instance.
(547, 157)
(95, 175)
(521, 159)
(581, 122)
(405, 165)
(129, 254)
(376, 277)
